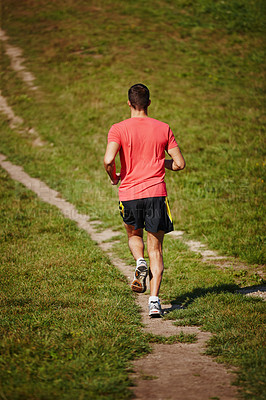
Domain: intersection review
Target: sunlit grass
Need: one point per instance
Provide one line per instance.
(204, 64)
(69, 324)
(207, 84)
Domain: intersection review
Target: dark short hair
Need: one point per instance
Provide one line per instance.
(139, 96)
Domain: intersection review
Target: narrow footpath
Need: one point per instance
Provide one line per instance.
(179, 371)
(175, 372)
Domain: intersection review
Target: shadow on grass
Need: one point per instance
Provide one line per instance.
(252, 289)
(185, 299)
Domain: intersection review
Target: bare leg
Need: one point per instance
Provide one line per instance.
(155, 251)
(135, 241)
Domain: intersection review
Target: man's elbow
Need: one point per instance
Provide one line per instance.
(108, 162)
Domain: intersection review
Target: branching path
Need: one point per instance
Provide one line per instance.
(179, 371)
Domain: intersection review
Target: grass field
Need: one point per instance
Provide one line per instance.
(208, 298)
(205, 74)
(204, 64)
(69, 324)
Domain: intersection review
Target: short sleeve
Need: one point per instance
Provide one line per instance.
(171, 140)
(114, 135)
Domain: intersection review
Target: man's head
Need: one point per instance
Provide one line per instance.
(139, 97)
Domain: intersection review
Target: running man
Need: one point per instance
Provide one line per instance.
(142, 142)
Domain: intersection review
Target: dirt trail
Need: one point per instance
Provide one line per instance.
(15, 55)
(208, 256)
(198, 247)
(16, 61)
(180, 371)
(16, 122)
(212, 257)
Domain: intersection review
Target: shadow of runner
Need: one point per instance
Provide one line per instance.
(185, 299)
(255, 290)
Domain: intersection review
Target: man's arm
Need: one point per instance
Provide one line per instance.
(177, 163)
(109, 162)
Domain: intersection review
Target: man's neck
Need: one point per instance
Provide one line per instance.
(138, 113)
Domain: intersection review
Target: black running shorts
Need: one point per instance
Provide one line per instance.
(151, 213)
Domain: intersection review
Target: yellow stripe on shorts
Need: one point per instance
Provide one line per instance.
(168, 210)
(121, 208)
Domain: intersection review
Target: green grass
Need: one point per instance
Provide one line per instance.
(238, 327)
(204, 64)
(181, 338)
(69, 323)
(207, 84)
(207, 296)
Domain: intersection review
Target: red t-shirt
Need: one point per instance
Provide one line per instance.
(143, 142)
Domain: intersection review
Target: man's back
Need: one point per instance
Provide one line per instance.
(143, 142)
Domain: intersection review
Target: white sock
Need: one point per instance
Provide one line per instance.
(141, 261)
(154, 298)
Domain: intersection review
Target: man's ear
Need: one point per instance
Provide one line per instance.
(149, 103)
(128, 102)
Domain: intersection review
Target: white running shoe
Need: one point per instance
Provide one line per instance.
(139, 281)
(155, 309)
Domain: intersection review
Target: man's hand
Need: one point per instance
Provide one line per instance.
(177, 163)
(115, 181)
